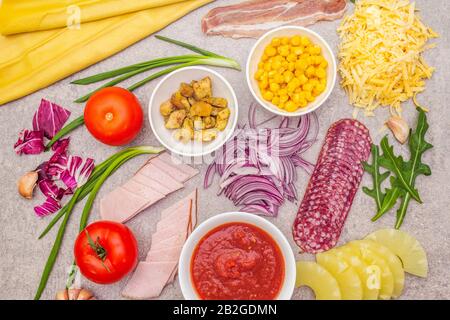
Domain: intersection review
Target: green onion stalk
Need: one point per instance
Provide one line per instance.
(91, 188)
(203, 57)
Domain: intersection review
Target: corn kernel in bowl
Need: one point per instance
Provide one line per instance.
(292, 72)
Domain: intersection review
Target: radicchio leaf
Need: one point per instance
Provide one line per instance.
(29, 142)
(77, 172)
(50, 206)
(49, 118)
(51, 190)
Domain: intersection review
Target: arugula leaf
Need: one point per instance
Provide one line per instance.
(397, 165)
(378, 178)
(405, 172)
(417, 145)
(389, 201)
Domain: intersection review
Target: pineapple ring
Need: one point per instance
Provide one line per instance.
(374, 262)
(317, 278)
(370, 284)
(346, 276)
(407, 248)
(393, 261)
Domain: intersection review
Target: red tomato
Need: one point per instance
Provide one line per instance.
(111, 254)
(113, 116)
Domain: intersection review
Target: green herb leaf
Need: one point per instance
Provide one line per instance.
(397, 165)
(389, 201)
(405, 172)
(417, 146)
(378, 178)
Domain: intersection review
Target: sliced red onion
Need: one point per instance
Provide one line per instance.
(257, 166)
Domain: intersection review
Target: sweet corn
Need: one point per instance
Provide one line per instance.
(275, 42)
(290, 106)
(270, 51)
(296, 40)
(308, 87)
(291, 72)
(321, 73)
(310, 72)
(302, 79)
(268, 96)
(276, 101)
(274, 87)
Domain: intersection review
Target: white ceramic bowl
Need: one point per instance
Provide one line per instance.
(170, 84)
(184, 268)
(257, 52)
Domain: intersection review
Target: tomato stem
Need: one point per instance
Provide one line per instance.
(98, 249)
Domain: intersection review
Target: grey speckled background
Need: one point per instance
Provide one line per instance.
(23, 257)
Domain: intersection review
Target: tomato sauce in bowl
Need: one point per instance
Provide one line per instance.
(237, 261)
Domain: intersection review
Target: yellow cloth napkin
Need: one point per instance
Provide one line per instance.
(35, 60)
(17, 16)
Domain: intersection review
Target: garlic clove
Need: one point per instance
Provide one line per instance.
(73, 293)
(27, 183)
(62, 295)
(85, 295)
(399, 128)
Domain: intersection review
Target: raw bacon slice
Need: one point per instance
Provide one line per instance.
(250, 19)
(332, 186)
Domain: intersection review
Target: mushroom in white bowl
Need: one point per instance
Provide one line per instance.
(163, 104)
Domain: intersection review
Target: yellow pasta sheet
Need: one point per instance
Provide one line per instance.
(32, 61)
(17, 16)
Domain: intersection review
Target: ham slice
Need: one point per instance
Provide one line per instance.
(121, 205)
(149, 279)
(161, 264)
(153, 182)
(153, 172)
(250, 19)
(163, 255)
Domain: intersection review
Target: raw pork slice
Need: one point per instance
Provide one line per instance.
(250, 19)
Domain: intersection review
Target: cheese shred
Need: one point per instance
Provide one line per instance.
(380, 54)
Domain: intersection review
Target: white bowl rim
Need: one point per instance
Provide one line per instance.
(230, 131)
(184, 264)
(299, 112)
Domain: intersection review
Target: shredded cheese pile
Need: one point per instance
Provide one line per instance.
(380, 54)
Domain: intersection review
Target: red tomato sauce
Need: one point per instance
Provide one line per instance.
(237, 261)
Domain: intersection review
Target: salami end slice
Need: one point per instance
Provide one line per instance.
(332, 186)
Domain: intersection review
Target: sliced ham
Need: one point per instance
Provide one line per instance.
(191, 172)
(149, 279)
(166, 254)
(143, 191)
(150, 184)
(161, 264)
(121, 205)
(250, 19)
(155, 173)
